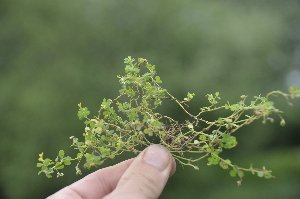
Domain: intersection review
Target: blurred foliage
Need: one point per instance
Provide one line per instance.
(55, 54)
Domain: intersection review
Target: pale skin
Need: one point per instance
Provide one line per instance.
(143, 177)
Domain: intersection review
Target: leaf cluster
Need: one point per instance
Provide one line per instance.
(130, 121)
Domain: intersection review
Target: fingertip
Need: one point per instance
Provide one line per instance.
(157, 156)
(147, 175)
(160, 157)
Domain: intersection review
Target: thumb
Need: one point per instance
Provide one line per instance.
(147, 175)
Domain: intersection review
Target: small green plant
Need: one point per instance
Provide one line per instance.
(129, 122)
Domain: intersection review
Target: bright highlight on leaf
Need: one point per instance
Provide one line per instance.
(130, 121)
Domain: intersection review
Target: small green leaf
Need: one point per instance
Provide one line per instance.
(235, 107)
(260, 174)
(130, 92)
(223, 165)
(240, 174)
(202, 137)
(60, 167)
(190, 95)
(83, 113)
(104, 151)
(228, 161)
(228, 120)
(156, 123)
(67, 160)
(39, 164)
(162, 133)
(61, 153)
(57, 164)
(227, 106)
(267, 175)
(79, 155)
(157, 79)
(213, 160)
(220, 120)
(232, 173)
(121, 91)
(112, 156)
(127, 60)
(47, 162)
(150, 67)
(141, 60)
(148, 132)
(131, 69)
(294, 92)
(228, 141)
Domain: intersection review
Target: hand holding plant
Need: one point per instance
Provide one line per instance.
(129, 122)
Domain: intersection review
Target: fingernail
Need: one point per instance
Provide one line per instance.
(157, 156)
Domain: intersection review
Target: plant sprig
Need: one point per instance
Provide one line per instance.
(129, 121)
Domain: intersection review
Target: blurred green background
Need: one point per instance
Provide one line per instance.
(55, 54)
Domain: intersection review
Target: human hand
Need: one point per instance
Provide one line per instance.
(142, 177)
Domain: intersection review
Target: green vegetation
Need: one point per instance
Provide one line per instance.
(129, 122)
